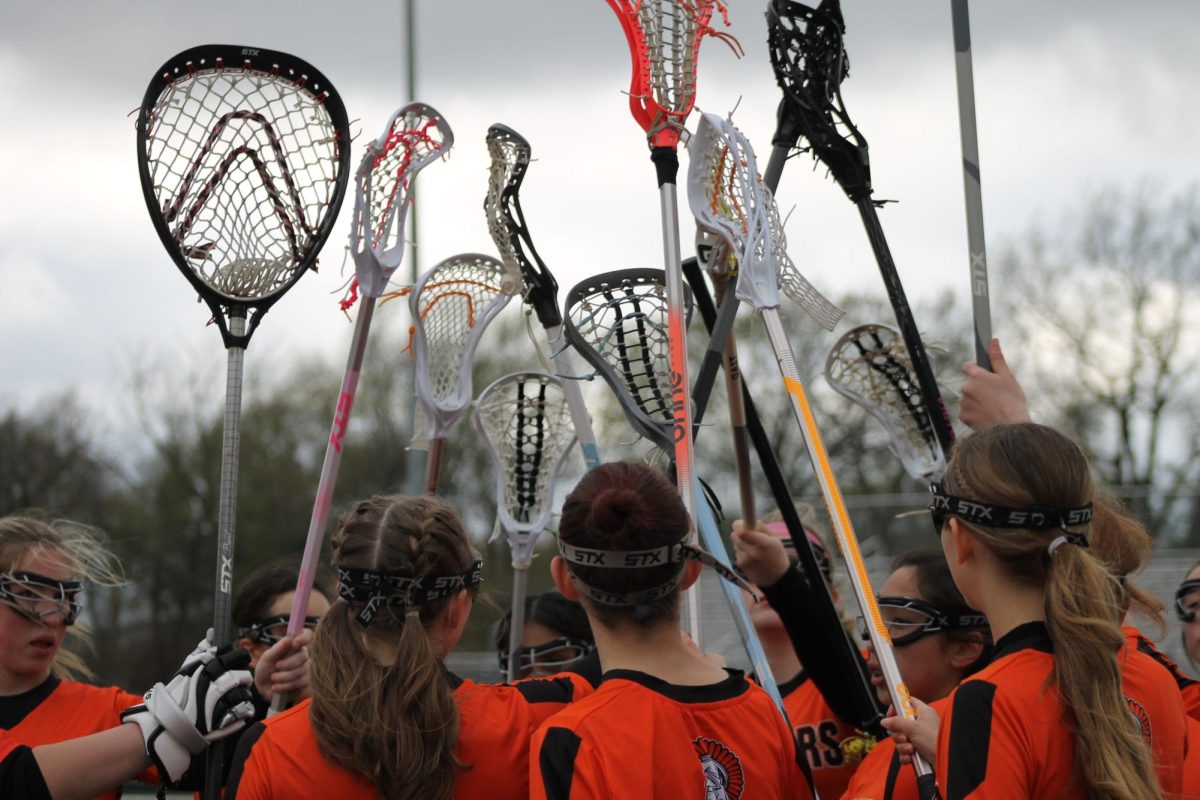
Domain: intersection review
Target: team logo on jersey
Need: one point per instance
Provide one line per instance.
(723, 776)
(1142, 718)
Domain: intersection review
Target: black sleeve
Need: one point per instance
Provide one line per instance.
(588, 668)
(827, 652)
(556, 759)
(21, 777)
(238, 762)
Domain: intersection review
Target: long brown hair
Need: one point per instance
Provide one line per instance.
(382, 705)
(1124, 545)
(84, 552)
(1029, 465)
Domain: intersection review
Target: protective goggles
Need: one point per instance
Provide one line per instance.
(548, 657)
(1187, 600)
(270, 631)
(908, 619)
(37, 597)
(943, 506)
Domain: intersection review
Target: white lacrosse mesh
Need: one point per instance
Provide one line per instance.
(728, 197)
(414, 137)
(526, 425)
(451, 306)
(870, 366)
(244, 166)
(508, 157)
(626, 326)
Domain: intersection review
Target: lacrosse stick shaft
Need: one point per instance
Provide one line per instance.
(714, 357)
(737, 413)
(516, 628)
(840, 519)
(329, 472)
(666, 161)
(934, 405)
(779, 156)
(433, 465)
(965, 77)
(573, 393)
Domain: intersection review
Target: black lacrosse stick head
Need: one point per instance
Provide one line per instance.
(618, 322)
(510, 153)
(810, 63)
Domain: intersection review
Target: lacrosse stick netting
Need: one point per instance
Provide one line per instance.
(618, 323)
(526, 425)
(451, 305)
(758, 284)
(414, 136)
(870, 366)
(510, 154)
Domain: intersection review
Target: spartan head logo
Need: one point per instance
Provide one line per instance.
(1142, 718)
(723, 776)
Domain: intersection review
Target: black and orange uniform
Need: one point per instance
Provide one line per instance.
(1188, 687)
(819, 735)
(639, 736)
(881, 776)
(19, 772)
(280, 758)
(57, 710)
(1004, 735)
(1191, 762)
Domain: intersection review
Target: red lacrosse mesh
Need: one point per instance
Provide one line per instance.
(244, 166)
(664, 42)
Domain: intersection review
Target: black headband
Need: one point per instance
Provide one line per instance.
(378, 588)
(988, 515)
(674, 553)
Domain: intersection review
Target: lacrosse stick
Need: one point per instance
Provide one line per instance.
(664, 42)
(618, 323)
(716, 147)
(810, 63)
(414, 136)
(964, 76)
(452, 304)
(870, 366)
(244, 157)
(506, 222)
(525, 421)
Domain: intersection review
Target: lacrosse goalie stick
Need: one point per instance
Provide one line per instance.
(716, 147)
(506, 222)
(451, 305)
(525, 422)
(964, 76)
(870, 366)
(244, 156)
(618, 323)
(810, 63)
(414, 136)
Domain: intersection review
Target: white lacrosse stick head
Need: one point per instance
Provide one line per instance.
(729, 198)
(870, 366)
(451, 305)
(526, 425)
(415, 135)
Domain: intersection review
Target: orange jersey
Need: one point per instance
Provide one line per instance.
(58, 710)
(640, 737)
(1188, 687)
(280, 758)
(1191, 762)
(881, 776)
(819, 735)
(1155, 701)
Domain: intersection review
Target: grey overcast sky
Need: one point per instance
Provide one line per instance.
(1071, 96)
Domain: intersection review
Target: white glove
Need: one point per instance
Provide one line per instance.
(208, 699)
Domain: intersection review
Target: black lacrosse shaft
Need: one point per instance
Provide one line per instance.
(934, 404)
(836, 669)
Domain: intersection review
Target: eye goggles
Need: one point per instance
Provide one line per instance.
(270, 631)
(547, 658)
(1187, 600)
(37, 597)
(908, 619)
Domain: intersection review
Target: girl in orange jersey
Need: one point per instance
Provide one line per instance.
(1047, 718)
(665, 723)
(386, 717)
(1187, 603)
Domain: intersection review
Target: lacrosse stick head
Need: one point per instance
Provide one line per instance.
(664, 42)
(810, 63)
(244, 156)
(618, 322)
(506, 221)
(728, 198)
(870, 366)
(526, 425)
(451, 305)
(414, 136)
